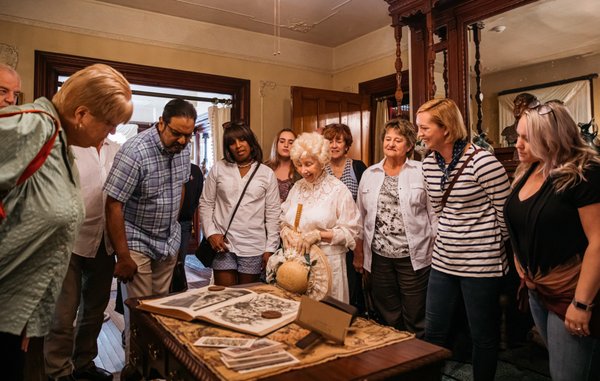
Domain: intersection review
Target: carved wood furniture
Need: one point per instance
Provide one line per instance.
(426, 17)
(156, 353)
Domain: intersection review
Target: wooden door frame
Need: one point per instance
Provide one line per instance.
(49, 66)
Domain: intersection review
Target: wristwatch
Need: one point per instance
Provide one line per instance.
(582, 306)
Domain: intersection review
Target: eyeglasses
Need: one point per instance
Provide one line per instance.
(178, 135)
(226, 125)
(543, 109)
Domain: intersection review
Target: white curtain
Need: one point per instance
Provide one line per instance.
(381, 118)
(576, 96)
(216, 117)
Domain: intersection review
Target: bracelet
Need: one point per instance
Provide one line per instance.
(582, 306)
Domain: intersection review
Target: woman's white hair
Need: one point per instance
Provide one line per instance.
(311, 144)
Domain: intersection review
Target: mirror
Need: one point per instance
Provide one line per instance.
(549, 48)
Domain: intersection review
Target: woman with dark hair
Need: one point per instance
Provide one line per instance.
(281, 163)
(254, 231)
(553, 219)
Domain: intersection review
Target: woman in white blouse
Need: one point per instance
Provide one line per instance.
(330, 218)
(399, 230)
(254, 232)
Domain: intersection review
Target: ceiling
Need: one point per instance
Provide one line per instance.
(542, 31)
(323, 22)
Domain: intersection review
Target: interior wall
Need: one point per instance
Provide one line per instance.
(268, 113)
(530, 75)
(270, 106)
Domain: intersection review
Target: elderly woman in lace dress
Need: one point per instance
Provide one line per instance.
(329, 218)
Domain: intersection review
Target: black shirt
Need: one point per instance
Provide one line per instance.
(193, 190)
(545, 229)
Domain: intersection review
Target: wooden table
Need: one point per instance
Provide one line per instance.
(156, 353)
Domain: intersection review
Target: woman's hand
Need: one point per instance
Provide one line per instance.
(290, 238)
(265, 259)
(577, 321)
(218, 243)
(308, 239)
(358, 261)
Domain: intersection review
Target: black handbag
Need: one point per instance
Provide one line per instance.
(205, 253)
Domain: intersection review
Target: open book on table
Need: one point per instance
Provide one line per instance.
(238, 309)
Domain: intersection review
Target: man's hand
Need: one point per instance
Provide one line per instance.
(125, 268)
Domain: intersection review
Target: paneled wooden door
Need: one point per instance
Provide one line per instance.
(313, 109)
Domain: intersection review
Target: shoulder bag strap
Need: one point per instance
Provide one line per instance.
(41, 156)
(460, 171)
(241, 196)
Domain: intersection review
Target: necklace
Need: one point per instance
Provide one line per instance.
(245, 165)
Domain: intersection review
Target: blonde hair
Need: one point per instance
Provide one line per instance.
(100, 88)
(445, 113)
(405, 129)
(311, 144)
(555, 139)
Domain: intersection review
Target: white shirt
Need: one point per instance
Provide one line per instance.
(419, 219)
(327, 204)
(255, 227)
(93, 167)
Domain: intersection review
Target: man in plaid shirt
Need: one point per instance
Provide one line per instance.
(144, 191)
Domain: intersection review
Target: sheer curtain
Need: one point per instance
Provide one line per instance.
(381, 118)
(217, 115)
(576, 96)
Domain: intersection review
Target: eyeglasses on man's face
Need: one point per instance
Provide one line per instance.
(178, 135)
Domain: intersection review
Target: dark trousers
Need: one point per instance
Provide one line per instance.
(179, 280)
(481, 301)
(12, 358)
(84, 296)
(357, 297)
(399, 292)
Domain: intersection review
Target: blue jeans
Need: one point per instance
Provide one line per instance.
(571, 357)
(481, 298)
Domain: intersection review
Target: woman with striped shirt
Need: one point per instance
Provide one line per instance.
(467, 187)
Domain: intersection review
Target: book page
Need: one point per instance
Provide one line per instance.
(188, 305)
(248, 315)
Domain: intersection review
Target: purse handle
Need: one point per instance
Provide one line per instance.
(241, 196)
(38, 160)
(460, 171)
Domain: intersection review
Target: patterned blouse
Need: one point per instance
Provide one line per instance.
(389, 238)
(348, 177)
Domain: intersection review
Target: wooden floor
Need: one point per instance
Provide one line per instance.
(111, 355)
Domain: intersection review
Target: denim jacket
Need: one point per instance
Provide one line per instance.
(419, 219)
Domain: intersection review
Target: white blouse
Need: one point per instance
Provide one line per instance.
(255, 226)
(327, 204)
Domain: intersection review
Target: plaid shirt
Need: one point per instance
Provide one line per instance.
(148, 181)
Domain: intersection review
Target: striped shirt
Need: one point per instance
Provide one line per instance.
(148, 181)
(471, 228)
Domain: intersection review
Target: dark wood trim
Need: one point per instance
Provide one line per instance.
(382, 87)
(456, 15)
(588, 77)
(49, 66)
